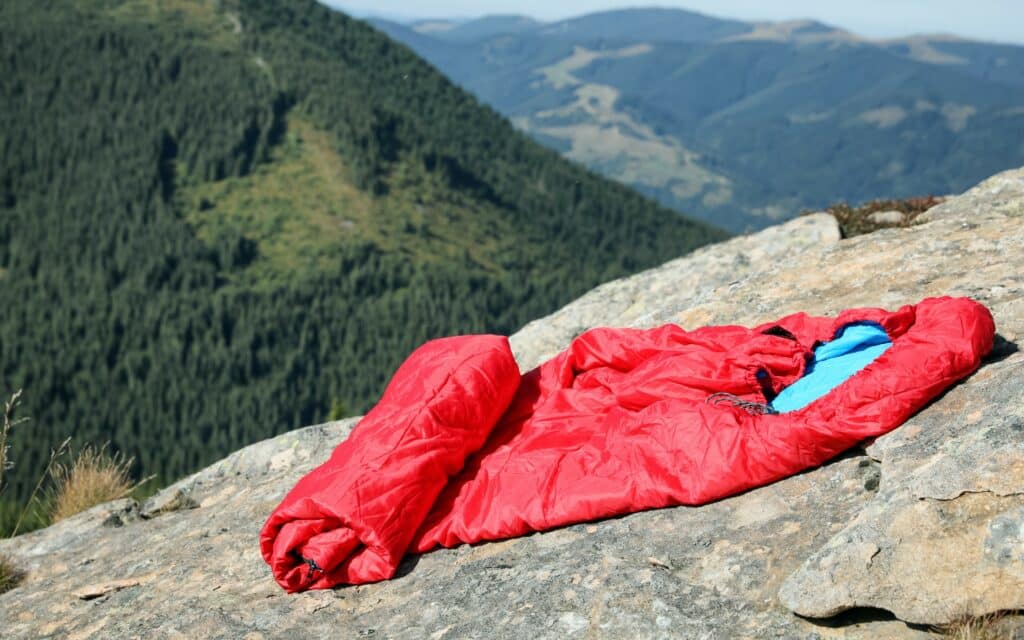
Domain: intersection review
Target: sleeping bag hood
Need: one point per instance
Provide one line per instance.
(461, 448)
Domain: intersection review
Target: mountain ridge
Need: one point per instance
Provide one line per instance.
(755, 125)
(749, 27)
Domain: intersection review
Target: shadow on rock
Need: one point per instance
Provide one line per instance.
(1001, 350)
(858, 616)
(408, 564)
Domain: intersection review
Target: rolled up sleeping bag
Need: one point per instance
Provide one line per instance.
(351, 519)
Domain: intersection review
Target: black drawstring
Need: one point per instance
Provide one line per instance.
(753, 408)
(313, 567)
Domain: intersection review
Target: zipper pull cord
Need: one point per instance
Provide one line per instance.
(313, 567)
(753, 408)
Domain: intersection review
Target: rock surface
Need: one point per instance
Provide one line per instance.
(167, 501)
(677, 284)
(887, 217)
(927, 525)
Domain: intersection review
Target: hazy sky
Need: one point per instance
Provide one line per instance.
(1000, 20)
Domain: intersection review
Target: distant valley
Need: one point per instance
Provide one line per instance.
(742, 124)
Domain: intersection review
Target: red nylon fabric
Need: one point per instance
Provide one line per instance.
(463, 449)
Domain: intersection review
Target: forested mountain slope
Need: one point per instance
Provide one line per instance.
(743, 123)
(217, 219)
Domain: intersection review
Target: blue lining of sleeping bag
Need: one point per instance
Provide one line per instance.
(855, 346)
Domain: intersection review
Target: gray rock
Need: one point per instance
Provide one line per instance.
(1002, 194)
(166, 501)
(926, 526)
(887, 217)
(946, 526)
(707, 572)
(675, 285)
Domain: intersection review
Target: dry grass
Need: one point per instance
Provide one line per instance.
(986, 627)
(93, 478)
(855, 221)
(9, 422)
(10, 576)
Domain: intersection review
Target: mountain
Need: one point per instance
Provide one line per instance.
(663, 25)
(475, 29)
(220, 220)
(741, 123)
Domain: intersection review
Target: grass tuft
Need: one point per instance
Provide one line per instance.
(8, 423)
(856, 221)
(10, 576)
(986, 627)
(93, 478)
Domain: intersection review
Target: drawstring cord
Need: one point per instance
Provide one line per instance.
(313, 567)
(753, 408)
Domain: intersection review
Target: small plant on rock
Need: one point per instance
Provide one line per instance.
(9, 422)
(10, 576)
(94, 477)
(858, 220)
(986, 627)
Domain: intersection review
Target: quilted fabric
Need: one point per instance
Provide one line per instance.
(463, 449)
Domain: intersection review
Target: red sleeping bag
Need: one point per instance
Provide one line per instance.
(461, 448)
